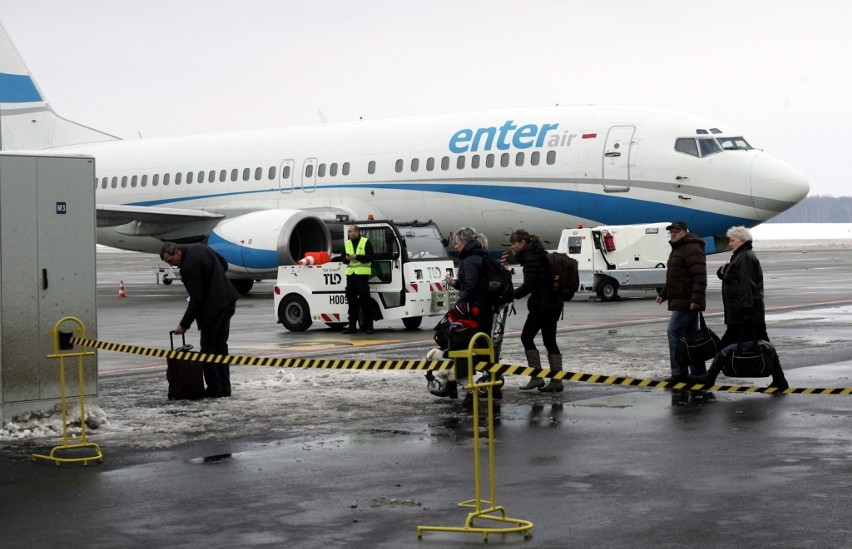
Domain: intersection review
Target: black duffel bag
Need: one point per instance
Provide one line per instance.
(698, 346)
(756, 358)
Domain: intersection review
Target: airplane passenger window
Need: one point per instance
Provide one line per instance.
(519, 159)
(332, 170)
(504, 160)
(474, 161)
(272, 173)
(460, 162)
(708, 147)
(489, 161)
(430, 164)
(445, 163)
(166, 178)
(155, 180)
(144, 181)
(178, 178)
(189, 177)
(345, 168)
(285, 172)
(200, 178)
(223, 175)
(235, 174)
(686, 145)
(415, 164)
(114, 182)
(258, 174)
(371, 167)
(246, 174)
(133, 181)
(398, 166)
(104, 183)
(321, 170)
(309, 170)
(211, 177)
(123, 181)
(534, 158)
(551, 158)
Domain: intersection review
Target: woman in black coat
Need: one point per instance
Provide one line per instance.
(544, 306)
(742, 297)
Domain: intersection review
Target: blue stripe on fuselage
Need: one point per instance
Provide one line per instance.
(18, 88)
(604, 209)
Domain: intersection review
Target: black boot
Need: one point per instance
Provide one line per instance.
(779, 381)
(350, 329)
(449, 390)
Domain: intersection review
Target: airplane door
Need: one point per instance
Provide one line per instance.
(309, 175)
(616, 159)
(285, 183)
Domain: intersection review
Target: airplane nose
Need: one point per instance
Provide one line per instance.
(775, 186)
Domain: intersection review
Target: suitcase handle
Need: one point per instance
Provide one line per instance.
(183, 347)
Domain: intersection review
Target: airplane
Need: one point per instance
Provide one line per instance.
(263, 198)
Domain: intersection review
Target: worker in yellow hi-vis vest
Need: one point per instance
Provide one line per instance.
(359, 257)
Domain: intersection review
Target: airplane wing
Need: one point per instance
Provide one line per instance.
(156, 222)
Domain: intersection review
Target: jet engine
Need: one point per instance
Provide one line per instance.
(255, 244)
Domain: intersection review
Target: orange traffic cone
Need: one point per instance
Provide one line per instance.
(121, 289)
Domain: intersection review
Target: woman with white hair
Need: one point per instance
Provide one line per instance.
(742, 297)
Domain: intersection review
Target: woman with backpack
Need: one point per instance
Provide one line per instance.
(544, 306)
(470, 314)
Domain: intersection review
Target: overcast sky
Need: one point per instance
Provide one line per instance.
(777, 71)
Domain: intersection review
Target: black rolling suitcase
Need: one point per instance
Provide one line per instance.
(185, 377)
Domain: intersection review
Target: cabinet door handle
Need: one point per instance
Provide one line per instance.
(44, 279)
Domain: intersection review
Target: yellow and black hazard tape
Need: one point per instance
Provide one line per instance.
(436, 365)
(507, 369)
(277, 362)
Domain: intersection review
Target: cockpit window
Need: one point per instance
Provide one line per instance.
(734, 143)
(705, 146)
(708, 146)
(686, 145)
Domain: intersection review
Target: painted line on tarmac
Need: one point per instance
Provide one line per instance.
(437, 365)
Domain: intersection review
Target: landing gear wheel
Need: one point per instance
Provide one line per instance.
(242, 285)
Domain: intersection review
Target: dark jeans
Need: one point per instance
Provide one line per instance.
(682, 323)
(358, 297)
(544, 322)
(214, 340)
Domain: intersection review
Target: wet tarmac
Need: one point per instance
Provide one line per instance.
(361, 459)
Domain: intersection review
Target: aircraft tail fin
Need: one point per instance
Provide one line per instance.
(26, 120)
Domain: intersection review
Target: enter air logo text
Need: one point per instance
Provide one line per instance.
(506, 136)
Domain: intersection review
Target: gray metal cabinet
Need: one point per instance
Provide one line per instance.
(47, 272)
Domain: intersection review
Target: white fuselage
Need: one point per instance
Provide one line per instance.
(541, 170)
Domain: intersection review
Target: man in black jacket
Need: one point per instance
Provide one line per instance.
(212, 302)
(685, 291)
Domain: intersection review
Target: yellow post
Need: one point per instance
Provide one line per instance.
(483, 509)
(66, 438)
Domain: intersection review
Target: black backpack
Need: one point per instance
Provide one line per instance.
(566, 275)
(499, 289)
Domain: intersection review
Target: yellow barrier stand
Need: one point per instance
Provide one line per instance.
(66, 439)
(482, 509)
